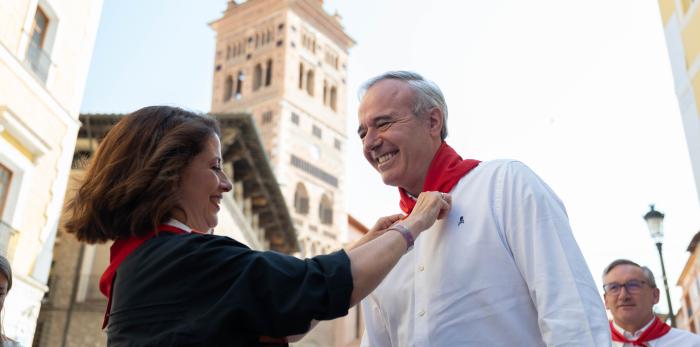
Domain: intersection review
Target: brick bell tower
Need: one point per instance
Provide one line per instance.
(285, 63)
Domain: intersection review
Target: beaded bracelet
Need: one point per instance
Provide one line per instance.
(406, 235)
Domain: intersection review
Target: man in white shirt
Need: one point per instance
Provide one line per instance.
(502, 270)
(630, 295)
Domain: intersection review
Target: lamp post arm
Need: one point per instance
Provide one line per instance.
(668, 295)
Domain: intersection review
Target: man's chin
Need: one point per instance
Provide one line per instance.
(390, 181)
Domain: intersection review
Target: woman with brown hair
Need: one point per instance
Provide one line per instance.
(5, 286)
(154, 186)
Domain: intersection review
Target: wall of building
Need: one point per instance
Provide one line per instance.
(301, 125)
(681, 21)
(688, 316)
(42, 79)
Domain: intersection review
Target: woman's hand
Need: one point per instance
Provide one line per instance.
(379, 228)
(371, 262)
(430, 206)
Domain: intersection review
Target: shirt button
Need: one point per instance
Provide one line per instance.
(420, 268)
(421, 313)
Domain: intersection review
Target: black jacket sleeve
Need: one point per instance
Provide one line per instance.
(213, 286)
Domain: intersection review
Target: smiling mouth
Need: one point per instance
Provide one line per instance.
(385, 157)
(216, 200)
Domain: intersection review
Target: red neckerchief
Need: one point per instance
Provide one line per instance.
(446, 169)
(120, 249)
(653, 332)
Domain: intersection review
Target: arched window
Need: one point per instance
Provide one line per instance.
(325, 92)
(268, 73)
(325, 210)
(228, 88)
(301, 75)
(310, 82)
(334, 98)
(301, 199)
(257, 77)
(239, 84)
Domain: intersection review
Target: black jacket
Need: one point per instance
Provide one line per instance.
(207, 290)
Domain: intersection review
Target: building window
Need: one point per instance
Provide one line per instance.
(334, 98)
(301, 75)
(5, 179)
(325, 210)
(267, 117)
(316, 131)
(308, 41)
(330, 57)
(257, 77)
(310, 82)
(301, 199)
(688, 307)
(325, 92)
(337, 144)
(228, 88)
(268, 73)
(295, 118)
(239, 84)
(37, 57)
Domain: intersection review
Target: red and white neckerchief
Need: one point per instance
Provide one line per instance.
(656, 329)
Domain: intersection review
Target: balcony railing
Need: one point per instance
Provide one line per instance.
(8, 240)
(38, 61)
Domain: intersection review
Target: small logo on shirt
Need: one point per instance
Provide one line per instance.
(461, 220)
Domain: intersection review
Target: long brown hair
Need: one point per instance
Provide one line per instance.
(131, 184)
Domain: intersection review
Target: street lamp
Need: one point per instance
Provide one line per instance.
(655, 222)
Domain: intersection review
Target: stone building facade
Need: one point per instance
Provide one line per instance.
(285, 62)
(45, 52)
(688, 316)
(681, 21)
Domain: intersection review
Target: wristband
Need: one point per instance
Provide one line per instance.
(406, 235)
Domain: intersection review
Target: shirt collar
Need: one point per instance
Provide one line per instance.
(180, 225)
(631, 336)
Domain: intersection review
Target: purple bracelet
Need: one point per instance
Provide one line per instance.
(406, 235)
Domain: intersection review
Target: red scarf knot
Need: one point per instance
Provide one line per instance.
(655, 330)
(446, 169)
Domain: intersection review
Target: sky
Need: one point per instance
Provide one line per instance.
(580, 91)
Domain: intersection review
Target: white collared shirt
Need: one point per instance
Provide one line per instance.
(674, 338)
(180, 225)
(502, 270)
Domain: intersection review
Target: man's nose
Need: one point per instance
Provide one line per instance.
(370, 141)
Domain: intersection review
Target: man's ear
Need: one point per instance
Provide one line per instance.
(657, 294)
(436, 119)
